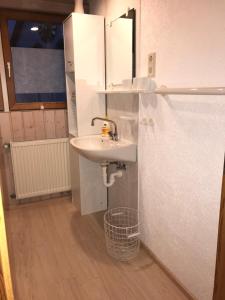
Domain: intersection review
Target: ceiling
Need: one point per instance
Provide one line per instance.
(52, 6)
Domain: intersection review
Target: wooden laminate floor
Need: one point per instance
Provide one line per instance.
(58, 255)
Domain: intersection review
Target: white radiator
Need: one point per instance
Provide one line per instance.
(40, 167)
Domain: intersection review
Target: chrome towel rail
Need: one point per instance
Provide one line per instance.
(163, 90)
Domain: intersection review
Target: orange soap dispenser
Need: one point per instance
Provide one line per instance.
(105, 129)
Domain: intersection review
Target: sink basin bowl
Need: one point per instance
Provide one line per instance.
(99, 149)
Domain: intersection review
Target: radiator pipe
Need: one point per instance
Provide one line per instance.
(6, 146)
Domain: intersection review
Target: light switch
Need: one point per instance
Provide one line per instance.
(151, 64)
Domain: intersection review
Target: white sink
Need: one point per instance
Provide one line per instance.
(99, 149)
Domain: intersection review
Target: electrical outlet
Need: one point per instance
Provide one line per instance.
(151, 64)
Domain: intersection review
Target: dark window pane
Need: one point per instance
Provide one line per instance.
(38, 61)
(40, 97)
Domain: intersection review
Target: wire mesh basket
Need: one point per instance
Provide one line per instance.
(122, 233)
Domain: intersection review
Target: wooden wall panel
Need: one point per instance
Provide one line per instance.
(49, 119)
(17, 126)
(6, 128)
(33, 125)
(29, 126)
(39, 124)
(60, 124)
(66, 121)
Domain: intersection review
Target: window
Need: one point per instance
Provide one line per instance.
(1, 97)
(34, 59)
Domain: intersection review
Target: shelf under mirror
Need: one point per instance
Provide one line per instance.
(124, 91)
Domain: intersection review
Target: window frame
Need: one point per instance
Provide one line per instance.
(5, 15)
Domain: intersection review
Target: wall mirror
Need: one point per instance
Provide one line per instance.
(120, 49)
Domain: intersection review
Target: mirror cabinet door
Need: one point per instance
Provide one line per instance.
(120, 49)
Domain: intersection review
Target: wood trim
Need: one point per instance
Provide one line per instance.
(1, 99)
(37, 105)
(168, 272)
(219, 286)
(4, 258)
(7, 58)
(27, 16)
(3, 182)
(31, 16)
(2, 287)
(41, 6)
(6, 287)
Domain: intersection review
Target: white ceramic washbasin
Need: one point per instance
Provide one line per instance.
(99, 149)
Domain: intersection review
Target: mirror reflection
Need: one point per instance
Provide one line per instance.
(120, 49)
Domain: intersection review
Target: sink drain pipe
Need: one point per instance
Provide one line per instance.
(112, 177)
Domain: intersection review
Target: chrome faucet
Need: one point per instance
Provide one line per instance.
(114, 135)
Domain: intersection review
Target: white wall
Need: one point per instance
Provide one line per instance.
(111, 8)
(180, 171)
(188, 39)
(97, 7)
(181, 156)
